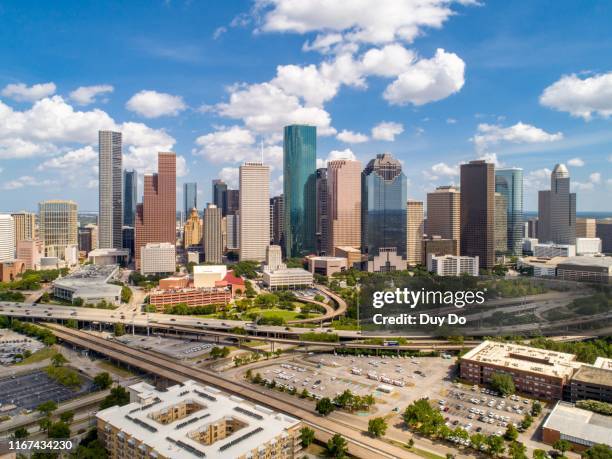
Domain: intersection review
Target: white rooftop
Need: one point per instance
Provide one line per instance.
(578, 423)
(173, 440)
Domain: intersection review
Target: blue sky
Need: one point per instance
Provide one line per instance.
(435, 82)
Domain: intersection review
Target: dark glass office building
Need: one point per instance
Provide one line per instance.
(130, 181)
(509, 182)
(190, 198)
(299, 177)
(383, 206)
(219, 194)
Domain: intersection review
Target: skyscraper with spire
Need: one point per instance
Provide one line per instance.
(557, 209)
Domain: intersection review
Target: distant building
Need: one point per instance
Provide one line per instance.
(25, 226)
(161, 299)
(343, 204)
(87, 238)
(591, 383)
(299, 189)
(274, 258)
(128, 239)
(509, 183)
(156, 215)
(326, 266)
(130, 199)
(582, 428)
(90, 283)
(233, 201)
(414, 231)
(219, 194)
(542, 267)
(190, 198)
(287, 278)
(435, 245)
(604, 232)
(110, 192)
(557, 209)
(588, 246)
(232, 228)
(322, 211)
(551, 250)
(532, 228)
(254, 211)
(103, 257)
(10, 270)
(443, 214)
(501, 224)
(157, 258)
(352, 255)
(586, 227)
(31, 252)
(586, 269)
(529, 245)
(277, 220)
(206, 276)
(191, 420)
(478, 212)
(213, 241)
(386, 261)
(58, 226)
(452, 265)
(192, 231)
(7, 238)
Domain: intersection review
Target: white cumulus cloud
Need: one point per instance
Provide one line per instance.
(351, 137)
(23, 93)
(581, 97)
(347, 153)
(493, 134)
(153, 104)
(85, 95)
(576, 162)
(387, 130)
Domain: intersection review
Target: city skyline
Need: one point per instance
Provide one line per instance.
(487, 100)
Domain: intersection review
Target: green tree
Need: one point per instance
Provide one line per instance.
(536, 408)
(511, 433)
(377, 427)
(46, 408)
(336, 447)
(67, 416)
(503, 383)
(539, 454)
(118, 396)
(21, 433)
(599, 451)
(72, 323)
(103, 380)
(77, 301)
(517, 450)
(478, 440)
(562, 446)
(45, 424)
(126, 294)
(496, 445)
(307, 436)
(59, 430)
(119, 329)
(324, 406)
(422, 416)
(58, 360)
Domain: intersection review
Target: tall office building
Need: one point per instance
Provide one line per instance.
(414, 232)
(501, 224)
(156, 215)
(322, 212)
(278, 219)
(219, 195)
(254, 211)
(192, 231)
(232, 198)
(300, 190)
(443, 214)
(232, 229)
(585, 227)
(190, 198)
(557, 209)
(130, 184)
(343, 204)
(58, 226)
(25, 226)
(86, 238)
(478, 212)
(383, 207)
(212, 238)
(532, 228)
(110, 218)
(509, 182)
(604, 232)
(7, 238)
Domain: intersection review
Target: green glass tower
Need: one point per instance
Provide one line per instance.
(299, 183)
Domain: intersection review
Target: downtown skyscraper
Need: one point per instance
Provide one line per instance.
(478, 212)
(156, 215)
(254, 218)
(110, 218)
(343, 204)
(383, 206)
(443, 214)
(219, 195)
(299, 189)
(557, 209)
(509, 182)
(212, 235)
(190, 198)
(130, 199)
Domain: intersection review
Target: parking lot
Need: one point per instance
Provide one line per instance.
(175, 348)
(13, 344)
(26, 391)
(394, 381)
(482, 410)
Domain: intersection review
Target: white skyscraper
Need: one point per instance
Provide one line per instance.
(110, 220)
(254, 211)
(7, 238)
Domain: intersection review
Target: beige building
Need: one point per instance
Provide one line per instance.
(274, 258)
(586, 227)
(30, 252)
(191, 420)
(25, 226)
(435, 245)
(192, 232)
(443, 214)
(156, 258)
(326, 266)
(207, 276)
(254, 211)
(501, 224)
(414, 232)
(213, 234)
(344, 204)
(58, 226)
(352, 255)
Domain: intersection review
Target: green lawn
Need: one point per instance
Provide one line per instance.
(275, 312)
(39, 356)
(111, 368)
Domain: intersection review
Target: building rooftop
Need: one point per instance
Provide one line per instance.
(543, 262)
(578, 423)
(90, 280)
(177, 438)
(603, 362)
(602, 262)
(348, 248)
(593, 375)
(524, 358)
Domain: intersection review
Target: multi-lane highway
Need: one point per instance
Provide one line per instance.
(360, 444)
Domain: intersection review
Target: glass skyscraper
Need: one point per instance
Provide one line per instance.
(509, 183)
(190, 197)
(130, 181)
(299, 177)
(219, 194)
(383, 206)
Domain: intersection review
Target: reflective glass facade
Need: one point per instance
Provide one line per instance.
(509, 182)
(299, 185)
